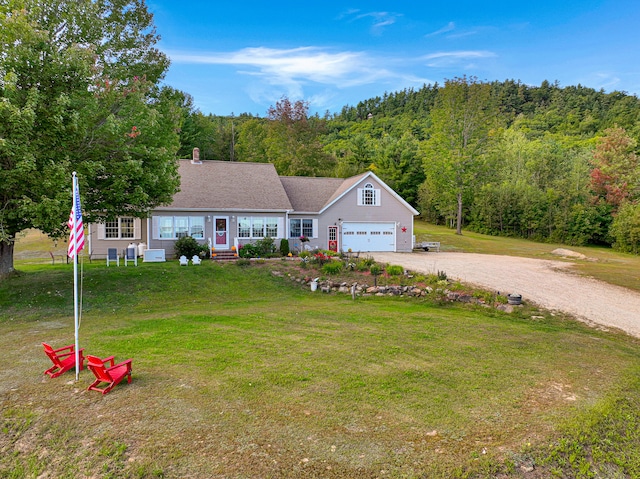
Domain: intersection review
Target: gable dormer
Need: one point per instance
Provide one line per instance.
(368, 195)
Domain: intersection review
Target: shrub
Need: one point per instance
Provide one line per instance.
(243, 262)
(362, 266)
(188, 246)
(320, 258)
(284, 247)
(625, 229)
(265, 246)
(368, 261)
(375, 269)
(248, 251)
(261, 248)
(333, 267)
(394, 270)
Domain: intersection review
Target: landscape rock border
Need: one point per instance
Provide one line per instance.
(410, 291)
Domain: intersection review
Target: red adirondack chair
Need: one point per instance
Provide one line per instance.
(63, 359)
(111, 374)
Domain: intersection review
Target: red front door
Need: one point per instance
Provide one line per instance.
(333, 238)
(221, 240)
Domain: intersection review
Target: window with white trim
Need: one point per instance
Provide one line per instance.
(368, 195)
(257, 227)
(244, 227)
(181, 226)
(196, 226)
(174, 227)
(120, 228)
(301, 227)
(271, 227)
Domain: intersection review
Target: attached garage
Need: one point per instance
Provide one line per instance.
(358, 236)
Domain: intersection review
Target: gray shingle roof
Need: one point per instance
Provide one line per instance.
(224, 185)
(229, 185)
(310, 194)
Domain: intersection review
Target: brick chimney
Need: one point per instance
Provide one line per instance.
(196, 157)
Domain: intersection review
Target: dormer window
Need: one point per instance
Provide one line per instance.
(368, 196)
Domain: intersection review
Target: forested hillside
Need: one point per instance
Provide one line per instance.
(543, 162)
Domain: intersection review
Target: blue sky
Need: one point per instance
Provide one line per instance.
(242, 57)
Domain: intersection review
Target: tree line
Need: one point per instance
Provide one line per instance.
(546, 162)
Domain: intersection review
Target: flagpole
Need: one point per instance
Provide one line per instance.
(75, 275)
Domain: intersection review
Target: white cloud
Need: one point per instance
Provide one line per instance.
(606, 81)
(348, 13)
(380, 19)
(293, 72)
(441, 59)
(304, 63)
(296, 66)
(447, 28)
(469, 33)
(452, 34)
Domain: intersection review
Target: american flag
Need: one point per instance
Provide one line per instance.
(76, 237)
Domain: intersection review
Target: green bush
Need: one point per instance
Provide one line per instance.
(248, 251)
(625, 229)
(376, 269)
(368, 261)
(189, 247)
(362, 265)
(394, 270)
(266, 246)
(284, 247)
(333, 267)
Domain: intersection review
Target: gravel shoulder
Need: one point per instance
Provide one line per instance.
(550, 284)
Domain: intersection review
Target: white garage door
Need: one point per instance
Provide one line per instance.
(368, 236)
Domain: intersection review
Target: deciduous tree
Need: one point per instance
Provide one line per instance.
(79, 92)
(292, 141)
(460, 124)
(616, 173)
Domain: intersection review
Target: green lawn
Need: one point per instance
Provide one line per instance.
(239, 374)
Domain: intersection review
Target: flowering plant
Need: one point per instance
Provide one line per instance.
(321, 258)
(304, 239)
(134, 132)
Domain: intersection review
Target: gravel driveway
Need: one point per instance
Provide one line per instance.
(550, 284)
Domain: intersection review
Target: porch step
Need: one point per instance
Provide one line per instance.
(224, 256)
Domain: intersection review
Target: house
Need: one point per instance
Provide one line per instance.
(225, 204)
